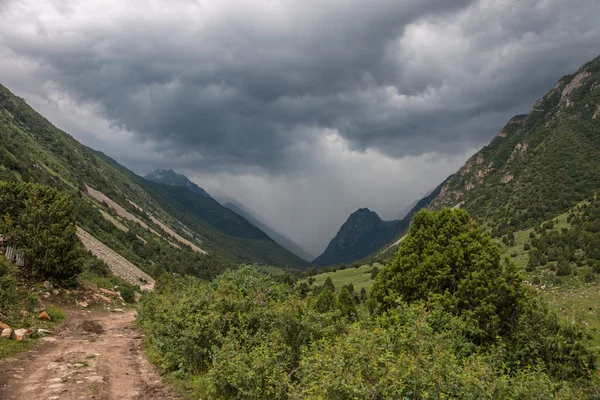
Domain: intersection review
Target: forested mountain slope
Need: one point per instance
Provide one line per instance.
(33, 150)
(540, 164)
(220, 213)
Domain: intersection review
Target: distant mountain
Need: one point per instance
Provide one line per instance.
(272, 233)
(362, 234)
(172, 178)
(404, 212)
(538, 166)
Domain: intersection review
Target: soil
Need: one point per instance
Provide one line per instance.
(93, 355)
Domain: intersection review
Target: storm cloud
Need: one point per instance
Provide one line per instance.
(288, 104)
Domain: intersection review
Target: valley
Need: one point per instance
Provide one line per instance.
(488, 287)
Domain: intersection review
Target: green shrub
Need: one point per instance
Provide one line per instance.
(563, 267)
(40, 221)
(96, 266)
(446, 258)
(128, 294)
(374, 272)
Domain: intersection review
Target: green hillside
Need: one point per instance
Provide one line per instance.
(33, 150)
(540, 164)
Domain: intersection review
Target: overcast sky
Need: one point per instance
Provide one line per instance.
(301, 110)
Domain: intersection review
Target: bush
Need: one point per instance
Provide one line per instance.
(374, 272)
(446, 258)
(40, 222)
(96, 266)
(328, 284)
(563, 267)
(128, 294)
(589, 277)
(244, 335)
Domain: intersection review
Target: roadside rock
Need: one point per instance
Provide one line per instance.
(109, 292)
(41, 331)
(48, 285)
(44, 315)
(22, 334)
(103, 298)
(3, 325)
(6, 333)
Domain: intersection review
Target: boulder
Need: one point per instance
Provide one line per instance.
(103, 298)
(55, 292)
(83, 304)
(41, 331)
(109, 292)
(44, 315)
(21, 334)
(3, 325)
(48, 285)
(6, 333)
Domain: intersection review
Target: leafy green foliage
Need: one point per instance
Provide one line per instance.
(347, 305)
(128, 294)
(39, 221)
(447, 259)
(247, 336)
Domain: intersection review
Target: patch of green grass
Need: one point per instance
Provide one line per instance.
(11, 347)
(580, 303)
(359, 277)
(56, 314)
(274, 271)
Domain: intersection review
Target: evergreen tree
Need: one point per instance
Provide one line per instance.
(40, 222)
(329, 284)
(346, 304)
(447, 258)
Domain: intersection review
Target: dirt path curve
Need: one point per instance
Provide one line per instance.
(94, 355)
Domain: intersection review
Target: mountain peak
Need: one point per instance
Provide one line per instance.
(361, 234)
(172, 178)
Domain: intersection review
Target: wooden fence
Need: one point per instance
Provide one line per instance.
(12, 254)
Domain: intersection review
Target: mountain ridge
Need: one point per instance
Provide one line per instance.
(172, 178)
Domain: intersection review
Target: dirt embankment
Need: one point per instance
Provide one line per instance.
(117, 264)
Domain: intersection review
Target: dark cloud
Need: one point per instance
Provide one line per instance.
(257, 88)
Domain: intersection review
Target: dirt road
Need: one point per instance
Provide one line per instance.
(93, 355)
